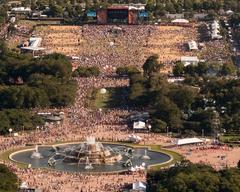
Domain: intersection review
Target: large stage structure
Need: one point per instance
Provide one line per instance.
(121, 14)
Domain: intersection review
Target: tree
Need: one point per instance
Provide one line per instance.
(188, 4)
(158, 126)
(168, 111)
(150, 5)
(178, 69)
(86, 71)
(128, 70)
(8, 181)
(55, 10)
(228, 69)
(151, 66)
(183, 97)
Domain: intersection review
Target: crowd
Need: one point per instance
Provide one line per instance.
(79, 122)
(107, 47)
(215, 155)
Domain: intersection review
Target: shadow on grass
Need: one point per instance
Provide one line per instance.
(115, 97)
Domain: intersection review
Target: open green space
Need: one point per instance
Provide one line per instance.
(113, 98)
(234, 139)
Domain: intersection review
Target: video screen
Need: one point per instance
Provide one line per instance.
(117, 16)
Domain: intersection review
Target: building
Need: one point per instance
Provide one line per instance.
(121, 14)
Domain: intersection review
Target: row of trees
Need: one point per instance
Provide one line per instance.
(160, 7)
(203, 69)
(18, 120)
(186, 177)
(26, 83)
(127, 70)
(70, 8)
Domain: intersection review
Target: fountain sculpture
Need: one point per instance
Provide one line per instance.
(91, 152)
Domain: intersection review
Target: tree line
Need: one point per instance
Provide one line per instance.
(75, 8)
(186, 177)
(209, 105)
(26, 83)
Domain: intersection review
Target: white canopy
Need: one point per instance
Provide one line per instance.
(139, 125)
(192, 45)
(24, 185)
(229, 12)
(188, 60)
(134, 138)
(187, 141)
(139, 186)
(180, 21)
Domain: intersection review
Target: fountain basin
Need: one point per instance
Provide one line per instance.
(73, 165)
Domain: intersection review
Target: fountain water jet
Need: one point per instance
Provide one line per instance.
(145, 156)
(36, 154)
(88, 164)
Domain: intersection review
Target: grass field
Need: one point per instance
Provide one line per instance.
(113, 98)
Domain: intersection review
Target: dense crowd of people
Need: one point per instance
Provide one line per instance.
(116, 46)
(109, 47)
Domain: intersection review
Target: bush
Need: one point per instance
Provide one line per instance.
(127, 71)
(86, 71)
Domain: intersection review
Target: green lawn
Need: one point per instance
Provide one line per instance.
(113, 98)
(230, 138)
(5, 156)
(101, 100)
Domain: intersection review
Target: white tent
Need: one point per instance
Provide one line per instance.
(139, 186)
(24, 185)
(134, 138)
(180, 21)
(189, 60)
(188, 141)
(192, 45)
(139, 125)
(229, 12)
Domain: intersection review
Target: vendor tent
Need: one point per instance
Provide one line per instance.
(188, 141)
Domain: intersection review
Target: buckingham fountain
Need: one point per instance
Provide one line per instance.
(92, 152)
(89, 156)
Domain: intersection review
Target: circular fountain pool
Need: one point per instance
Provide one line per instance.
(90, 156)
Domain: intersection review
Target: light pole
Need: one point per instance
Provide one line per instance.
(202, 132)
(10, 131)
